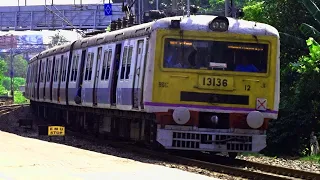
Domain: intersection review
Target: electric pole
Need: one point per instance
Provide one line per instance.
(230, 10)
(174, 6)
(11, 67)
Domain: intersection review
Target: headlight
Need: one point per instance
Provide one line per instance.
(220, 23)
(255, 119)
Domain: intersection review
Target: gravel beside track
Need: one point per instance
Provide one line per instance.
(288, 163)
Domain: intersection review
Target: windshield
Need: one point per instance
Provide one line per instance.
(215, 55)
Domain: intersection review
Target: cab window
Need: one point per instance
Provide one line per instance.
(215, 55)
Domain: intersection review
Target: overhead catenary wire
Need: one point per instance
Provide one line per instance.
(65, 20)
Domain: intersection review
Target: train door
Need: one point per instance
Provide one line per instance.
(137, 77)
(96, 77)
(80, 80)
(115, 74)
(142, 71)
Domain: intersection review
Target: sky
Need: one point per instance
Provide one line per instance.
(46, 34)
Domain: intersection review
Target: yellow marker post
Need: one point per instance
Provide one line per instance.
(56, 131)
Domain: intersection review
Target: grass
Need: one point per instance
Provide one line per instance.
(313, 158)
(252, 154)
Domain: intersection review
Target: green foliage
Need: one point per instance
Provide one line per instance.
(3, 90)
(3, 68)
(314, 158)
(310, 63)
(20, 66)
(19, 98)
(306, 29)
(254, 11)
(17, 82)
(108, 28)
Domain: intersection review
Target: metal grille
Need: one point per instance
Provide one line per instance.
(185, 140)
(192, 140)
(239, 143)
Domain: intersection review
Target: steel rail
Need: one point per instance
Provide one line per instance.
(215, 167)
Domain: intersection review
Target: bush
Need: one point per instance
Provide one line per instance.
(19, 98)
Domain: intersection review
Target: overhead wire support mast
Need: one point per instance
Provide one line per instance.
(66, 21)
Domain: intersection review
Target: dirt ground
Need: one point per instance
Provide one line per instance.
(26, 158)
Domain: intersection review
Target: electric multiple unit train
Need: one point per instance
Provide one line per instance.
(201, 83)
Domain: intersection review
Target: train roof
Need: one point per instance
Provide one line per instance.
(192, 23)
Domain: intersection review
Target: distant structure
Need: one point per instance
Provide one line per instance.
(53, 17)
(28, 45)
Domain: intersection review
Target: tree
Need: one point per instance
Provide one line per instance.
(306, 30)
(20, 66)
(300, 80)
(57, 40)
(3, 70)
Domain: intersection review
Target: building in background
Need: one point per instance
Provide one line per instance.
(28, 45)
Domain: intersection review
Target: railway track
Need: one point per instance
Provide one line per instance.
(282, 172)
(224, 165)
(236, 167)
(5, 109)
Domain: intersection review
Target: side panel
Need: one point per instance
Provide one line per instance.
(48, 79)
(149, 73)
(139, 74)
(56, 80)
(105, 76)
(63, 78)
(125, 84)
(88, 76)
(96, 74)
(43, 73)
(73, 76)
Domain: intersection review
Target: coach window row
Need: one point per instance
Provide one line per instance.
(88, 73)
(106, 65)
(55, 70)
(48, 71)
(64, 70)
(126, 63)
(74, 68)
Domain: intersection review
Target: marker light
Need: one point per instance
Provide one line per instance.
(219, 23)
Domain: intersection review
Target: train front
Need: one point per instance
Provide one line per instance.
(215, 83)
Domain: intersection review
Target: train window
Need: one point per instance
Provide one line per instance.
(129, 62)
(41, 71)
(48, 71)
(76, 68)
(124, 62)
(72, 67)
(62, 70)
(90, 67)
(104, 65)
(87, 67)
(64, 67)
(216, 55)
(108, 64)
(55, 73)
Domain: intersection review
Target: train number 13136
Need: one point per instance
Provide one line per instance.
(213, 81)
